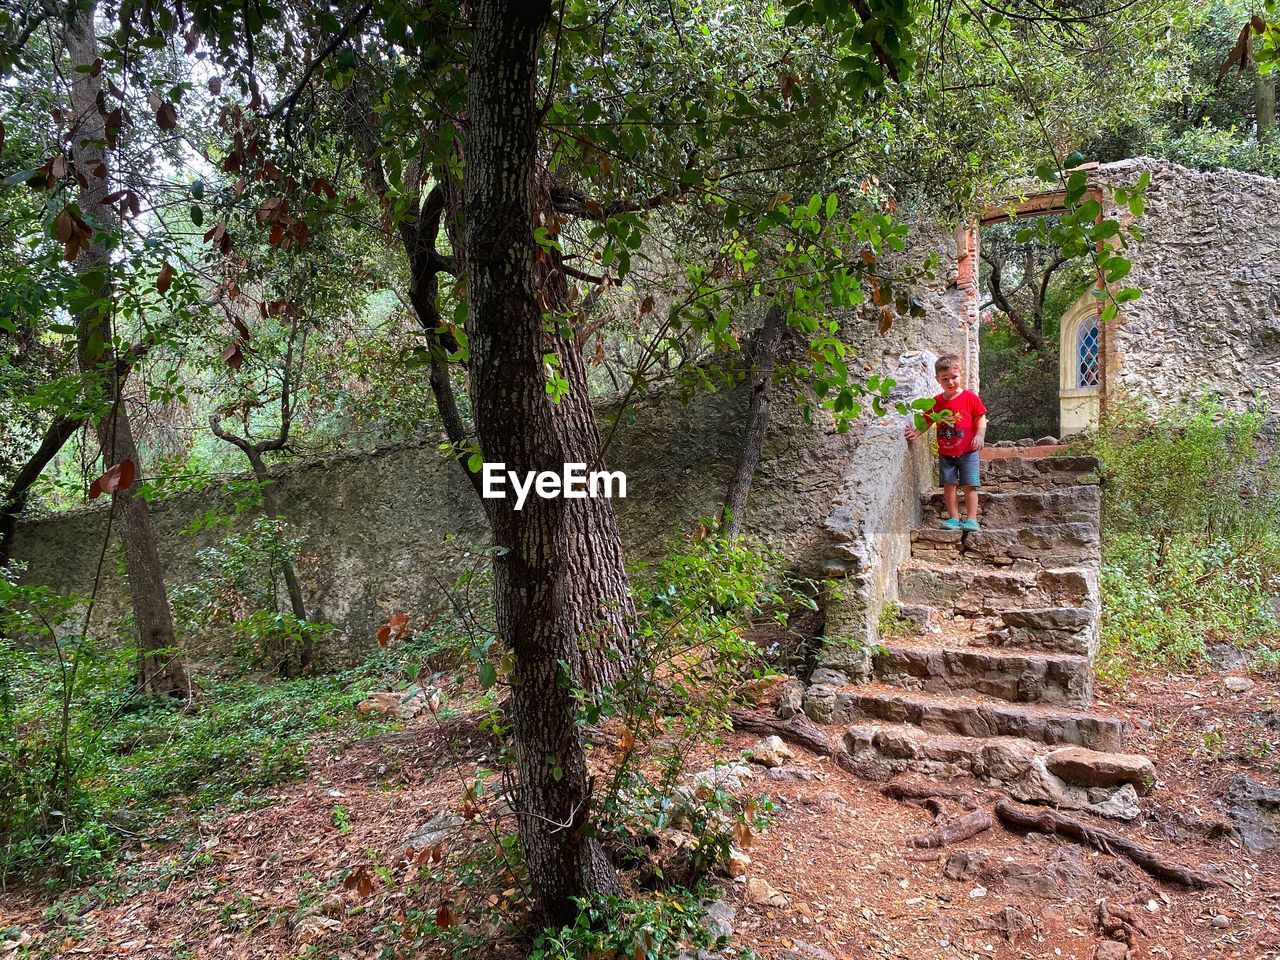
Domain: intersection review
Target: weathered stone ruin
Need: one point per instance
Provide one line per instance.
(997, 679)
(993, 677)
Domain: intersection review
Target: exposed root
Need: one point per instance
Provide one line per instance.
(899, 790)
(954, 831)
(1105, 841)
(799, 730)
(1118, 923)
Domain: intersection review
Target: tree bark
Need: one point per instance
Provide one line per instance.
(602, 602)
(599, 601)
(539, 574)
(764, 357)
(160, 670)
(1265, 96)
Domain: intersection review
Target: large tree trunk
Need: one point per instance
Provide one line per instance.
(600, 603)
(764, 357)
(538, 578)
(160, 670)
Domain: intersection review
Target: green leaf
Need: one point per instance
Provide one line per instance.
(1117, 268)
(475, 463)
(488, 674)
(22, 176)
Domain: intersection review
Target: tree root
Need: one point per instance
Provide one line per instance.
(1118, 923)
(1105, 841)
(954, 831)
(799, 730)
(898, 790)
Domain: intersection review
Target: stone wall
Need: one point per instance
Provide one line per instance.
(869, 527)
(389, 529)
(1208, 265)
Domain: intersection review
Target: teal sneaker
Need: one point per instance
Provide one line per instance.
(950, 524)
(970, 525)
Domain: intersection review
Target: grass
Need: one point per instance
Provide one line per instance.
(138, 762)
(1191, 537)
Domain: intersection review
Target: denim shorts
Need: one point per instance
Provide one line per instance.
(962, 469)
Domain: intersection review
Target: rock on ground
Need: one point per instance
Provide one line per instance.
(771, 752)
(1254, 808)
(434, 831)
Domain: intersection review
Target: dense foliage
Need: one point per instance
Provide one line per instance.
(1191, 538)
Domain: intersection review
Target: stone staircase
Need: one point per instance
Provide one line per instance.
(994, 677)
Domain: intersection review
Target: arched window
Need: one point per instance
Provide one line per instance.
(1087, 359)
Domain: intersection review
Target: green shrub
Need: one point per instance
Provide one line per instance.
(86, 764)
(234, 602)
(1191, 534)
(656, 927)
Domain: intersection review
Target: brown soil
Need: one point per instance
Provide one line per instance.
(268, 882)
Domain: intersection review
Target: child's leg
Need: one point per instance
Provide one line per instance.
(969, 478)
(952, 501)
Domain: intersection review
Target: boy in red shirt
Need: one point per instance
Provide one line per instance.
(961, 419)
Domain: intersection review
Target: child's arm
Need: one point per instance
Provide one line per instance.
(980, 438)
(912, 433)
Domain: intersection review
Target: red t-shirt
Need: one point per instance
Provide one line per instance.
(956, 438)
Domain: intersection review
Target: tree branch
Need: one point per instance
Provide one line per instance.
(287, 104)
(1001, 300)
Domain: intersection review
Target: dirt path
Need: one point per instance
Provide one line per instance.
(268, 882)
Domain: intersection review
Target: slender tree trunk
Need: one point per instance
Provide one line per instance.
(1265, 95)
(271, 506)
(160, 671)
(538, 577)
(764, 358)
(61, 430)
(290, 666)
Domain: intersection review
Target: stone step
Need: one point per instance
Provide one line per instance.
(978, 591)
(1043, 472)
(1019, 676)
(1072, 777)
(1071, 630)
(1015, 510)
(972, 716)
(1046, 544)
